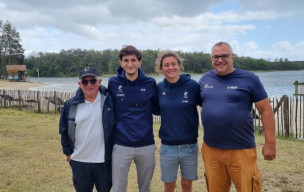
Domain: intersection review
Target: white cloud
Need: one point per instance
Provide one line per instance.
(279, 50)
(282, 46)
(209, 20)
(285, 49)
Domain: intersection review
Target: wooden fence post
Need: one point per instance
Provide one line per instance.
(302, 116)
(38, 101)
(19, 99)
(55, 101)
(286, 115)
(4, 98)
(296, 117)
(278, 120)
(48, 105)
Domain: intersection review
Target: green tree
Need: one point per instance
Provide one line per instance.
(148, 61)
(196, 62)
(11, 51)
(111, 59)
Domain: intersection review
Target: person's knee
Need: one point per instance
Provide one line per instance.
(186, 185)
(169, 187)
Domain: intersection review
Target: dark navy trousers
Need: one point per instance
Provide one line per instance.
(86, 175)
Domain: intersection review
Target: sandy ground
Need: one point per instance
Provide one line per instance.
(19, 85)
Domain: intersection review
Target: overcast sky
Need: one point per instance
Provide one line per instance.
(266, 29)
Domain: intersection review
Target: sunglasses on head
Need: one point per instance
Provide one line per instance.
(86, 82)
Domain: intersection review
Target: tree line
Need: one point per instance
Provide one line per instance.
(67, 63)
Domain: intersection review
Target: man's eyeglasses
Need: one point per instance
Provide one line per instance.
(86, 82)
(217, 57)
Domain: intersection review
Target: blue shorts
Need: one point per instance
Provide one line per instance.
(171, 156)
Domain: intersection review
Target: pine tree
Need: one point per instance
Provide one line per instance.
(11, 51)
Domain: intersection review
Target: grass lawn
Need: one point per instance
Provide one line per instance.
(31, 158)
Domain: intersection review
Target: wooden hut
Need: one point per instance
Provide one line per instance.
(299, 88)
(16, 72)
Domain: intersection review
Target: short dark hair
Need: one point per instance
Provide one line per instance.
(164, 54)
(129, 50)
(222, 43)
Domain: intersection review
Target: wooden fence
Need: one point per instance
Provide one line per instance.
(40, 101)
(288, 111)
(289, 116)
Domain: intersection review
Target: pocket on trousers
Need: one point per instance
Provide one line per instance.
(206, 179)
(192, 148)
(256, 182)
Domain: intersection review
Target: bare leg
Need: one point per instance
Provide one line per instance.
(186, 185)
(169, 187)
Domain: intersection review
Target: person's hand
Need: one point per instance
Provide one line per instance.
(269, 151)
(69, 158)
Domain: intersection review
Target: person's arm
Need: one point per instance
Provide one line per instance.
(63, 131)
(198, 96)
(154, 103)
(265, 110)
(69, 158)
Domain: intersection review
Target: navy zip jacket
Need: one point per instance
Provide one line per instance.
(135, 101)
(108, 120)
(178, 109)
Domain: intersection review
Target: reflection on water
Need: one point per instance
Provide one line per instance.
(276, 83)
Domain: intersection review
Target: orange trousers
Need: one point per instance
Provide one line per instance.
(225, 165)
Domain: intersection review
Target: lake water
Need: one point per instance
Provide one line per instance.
(276, 83)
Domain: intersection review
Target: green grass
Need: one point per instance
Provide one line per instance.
(31, 158)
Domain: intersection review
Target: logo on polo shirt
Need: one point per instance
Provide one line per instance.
(119, 92)
(232, 87)
(186, 94)
(120, 88)
(185, 98)
(208, 86)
